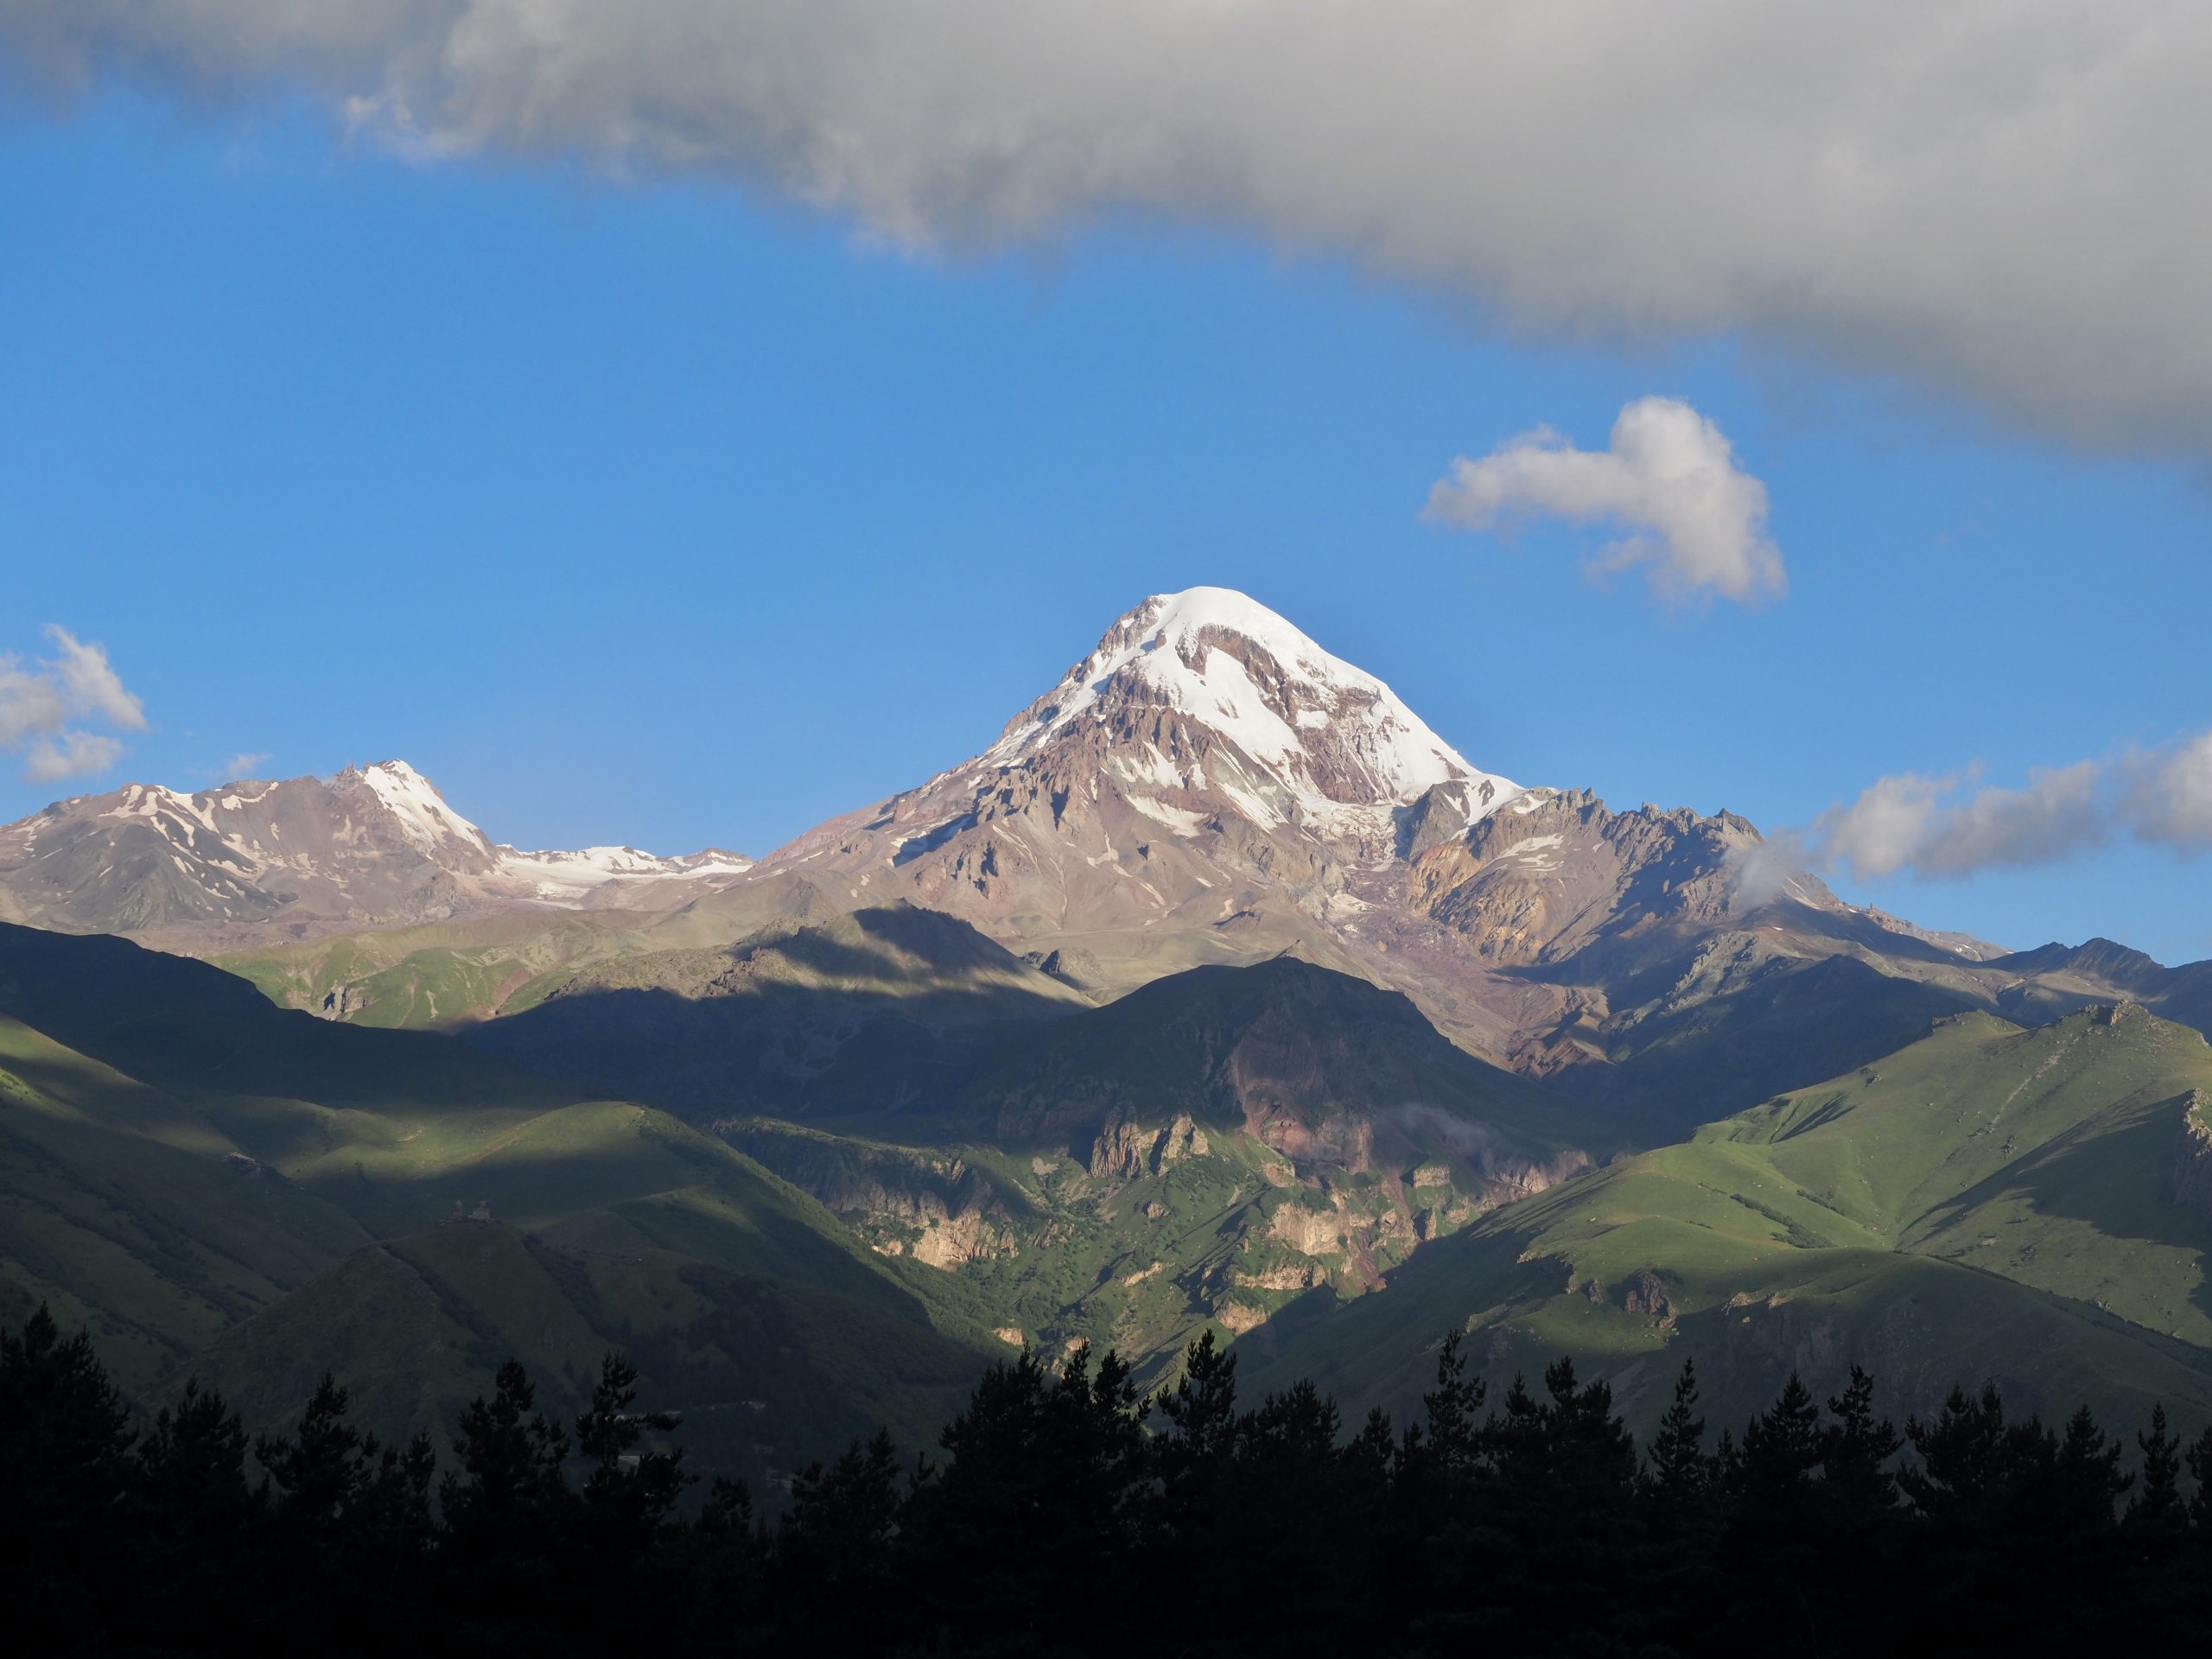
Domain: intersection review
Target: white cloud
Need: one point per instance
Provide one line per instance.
(90, 684)
(1940, 827)
(1935, 828)
(40, 704)
(70, 754)
(1992, 197)
(2167, 799)
(241, 767)
(1696, 520)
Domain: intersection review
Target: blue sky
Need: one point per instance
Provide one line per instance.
(668, 515)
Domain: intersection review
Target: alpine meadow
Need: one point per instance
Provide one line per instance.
(1114, 1129)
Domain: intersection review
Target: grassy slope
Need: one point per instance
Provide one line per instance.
(231, 1186)
(1317, 1096)
(1986, 1203)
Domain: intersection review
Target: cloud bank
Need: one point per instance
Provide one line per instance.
(1945, 828)
(41, 702)
(1992, 197)
(1697, 521)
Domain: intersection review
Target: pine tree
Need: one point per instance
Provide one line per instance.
(509, 1503)
(833, 1560)
(2200, 1504)
(628, 1494)
(1449, 1440)
(2089, 1479)
(1192, 1455)
(1855, 1451)
(2156, 1516)
(1965, 1454)
(191, 1474)
(321, 1469)
(1782, 1447)
(65, 1469)
(1678, 1474)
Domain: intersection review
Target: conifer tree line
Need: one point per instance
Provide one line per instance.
(1063, 1513)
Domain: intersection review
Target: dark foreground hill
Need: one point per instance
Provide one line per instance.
(210, 1183)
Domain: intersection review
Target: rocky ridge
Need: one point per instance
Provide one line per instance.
(373, 847)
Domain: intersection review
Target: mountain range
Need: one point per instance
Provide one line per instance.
(1218, 990)
(373, 847)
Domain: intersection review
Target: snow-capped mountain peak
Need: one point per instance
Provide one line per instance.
(418, 807)
(1331, 736)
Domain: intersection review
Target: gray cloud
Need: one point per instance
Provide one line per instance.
(1936, 827)
(41, 701)
(1993, 198)
(2166, 799)
(1697, 520)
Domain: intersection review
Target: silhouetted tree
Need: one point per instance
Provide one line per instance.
(628, 1494)
(2156, 1516)
(1038, 1494)
(65, 1471)
(833, 1553)
(1678, 1474)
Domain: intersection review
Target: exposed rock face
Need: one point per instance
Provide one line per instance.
(1124, 1151)
(1310, 1232)
(1329, 1075)
(373, 847)
(904, 1202)
(2190, 1178)
(1556, 873)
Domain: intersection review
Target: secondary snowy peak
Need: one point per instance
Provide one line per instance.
(1330, 735)
(374, 846)
(418, 809)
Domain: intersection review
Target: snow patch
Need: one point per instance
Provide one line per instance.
(1181, 820)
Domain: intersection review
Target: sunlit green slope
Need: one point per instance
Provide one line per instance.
(1986, 1203)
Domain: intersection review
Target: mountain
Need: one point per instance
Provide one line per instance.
(215, 1187)
(373, 847)
(2029, 1206)
(1209, 785)
(853, 1015)
(1206, 1149)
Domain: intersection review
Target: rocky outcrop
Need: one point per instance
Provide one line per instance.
(1556, 873)
(2188, 1177)
(1124, 1151)
(1310, 1232)
(936, 1208)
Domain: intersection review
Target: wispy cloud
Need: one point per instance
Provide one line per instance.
(1934, 192)
(1951, 827)
(1695, 522)
(244, 764)
(70, 754)
(2166, 797)
(1942, 827)
(44, 706)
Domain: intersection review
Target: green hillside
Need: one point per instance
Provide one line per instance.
(230, 1188)
(1988, 1202)
(1210, 1148)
